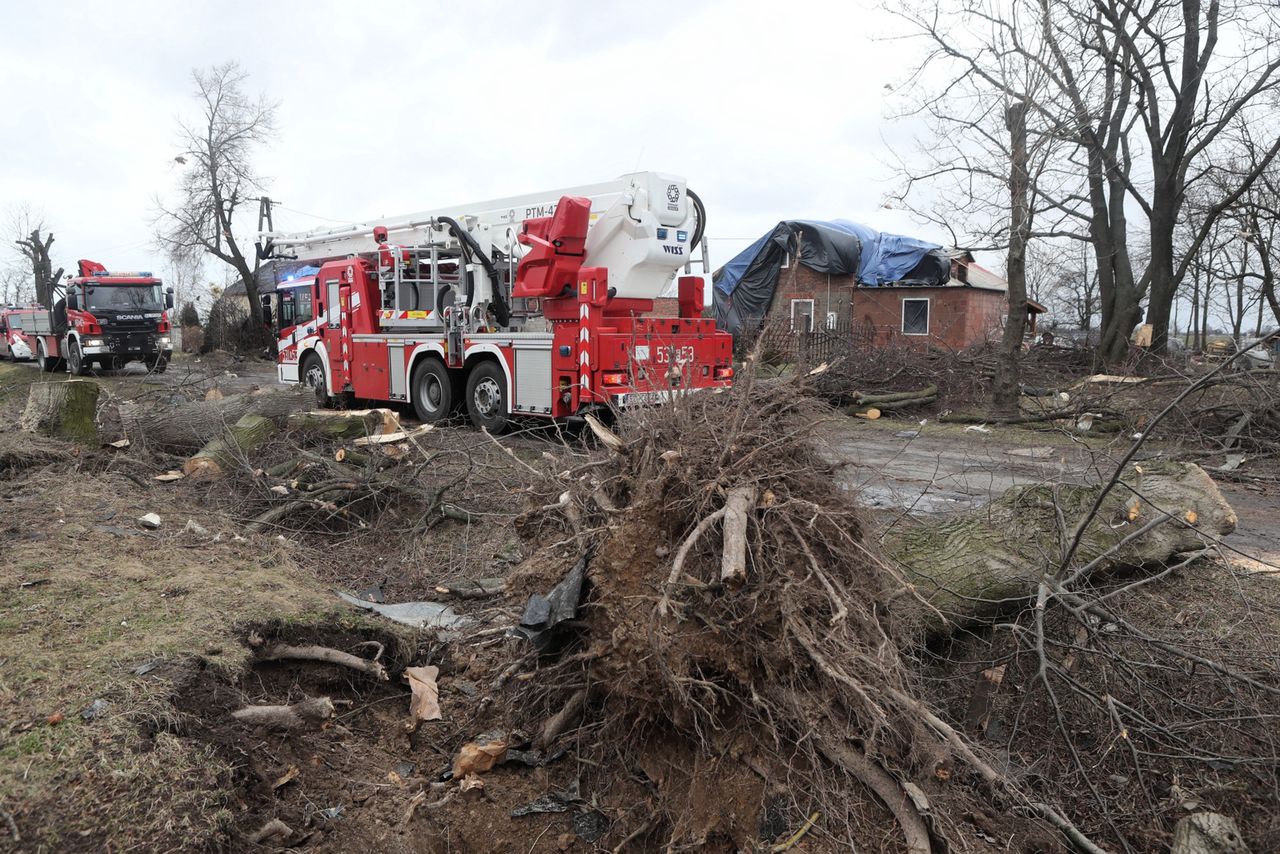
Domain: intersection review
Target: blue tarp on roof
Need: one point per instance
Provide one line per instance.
(744, 287)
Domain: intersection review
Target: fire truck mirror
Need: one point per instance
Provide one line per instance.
(168, 297)
(73, 301)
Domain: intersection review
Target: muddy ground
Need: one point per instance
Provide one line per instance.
(125, 650)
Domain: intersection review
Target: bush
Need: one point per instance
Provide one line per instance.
(227, 327)
(188, 316)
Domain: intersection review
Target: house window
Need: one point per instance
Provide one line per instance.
(802, 315)
(786, 260)
(915, 317)
(832, 318)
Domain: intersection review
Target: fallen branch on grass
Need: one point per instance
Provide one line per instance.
(285, 652)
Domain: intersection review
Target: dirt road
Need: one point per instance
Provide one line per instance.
(228, 373)
(944, 468)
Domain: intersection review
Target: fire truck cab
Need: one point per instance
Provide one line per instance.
(100, 318)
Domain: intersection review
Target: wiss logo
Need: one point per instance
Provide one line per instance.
(673, 197)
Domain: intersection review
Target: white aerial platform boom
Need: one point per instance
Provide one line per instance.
(644, 227)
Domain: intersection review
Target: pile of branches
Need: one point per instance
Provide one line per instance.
(300, 481)
(952, 379)
(735, 662)
(1235, 411)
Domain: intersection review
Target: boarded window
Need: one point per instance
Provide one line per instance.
(915, 317)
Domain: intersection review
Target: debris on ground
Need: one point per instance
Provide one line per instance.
(422, 615)
(679, 633)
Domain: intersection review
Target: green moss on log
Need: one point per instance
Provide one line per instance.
(64, 410)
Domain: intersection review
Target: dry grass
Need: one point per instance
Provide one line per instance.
(83, 606)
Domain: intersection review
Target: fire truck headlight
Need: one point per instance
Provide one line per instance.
(164, 341)
(93, 342)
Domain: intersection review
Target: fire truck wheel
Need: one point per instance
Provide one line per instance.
(76, 362)
(313, 377)
(156, 364)
(432, 391)
(46, 364)
(487, 398)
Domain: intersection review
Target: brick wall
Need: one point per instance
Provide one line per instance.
(958, 316)
(829, 294)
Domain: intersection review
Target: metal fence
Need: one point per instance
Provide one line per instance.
(780, 344)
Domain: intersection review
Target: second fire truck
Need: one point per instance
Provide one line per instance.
(534, 306)
(99, 318)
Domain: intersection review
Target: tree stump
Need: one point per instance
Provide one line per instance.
(63, 410)
(221, 454)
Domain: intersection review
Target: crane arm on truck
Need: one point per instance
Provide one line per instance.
(644, 226)
(537, 306)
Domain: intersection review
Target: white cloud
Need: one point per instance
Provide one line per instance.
(772, 111)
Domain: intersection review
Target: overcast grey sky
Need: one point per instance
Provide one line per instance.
(771, 110)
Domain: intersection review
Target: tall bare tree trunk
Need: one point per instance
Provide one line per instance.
(1006, 385)
(36, 249)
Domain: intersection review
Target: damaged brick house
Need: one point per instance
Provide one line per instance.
(809, 276)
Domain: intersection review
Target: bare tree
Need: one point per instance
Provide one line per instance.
(218, 177)
(991, 160)
(1142, 92)
(1006, 385)
(15, 286)
(34, 242)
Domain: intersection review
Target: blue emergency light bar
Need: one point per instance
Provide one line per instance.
(141, 274)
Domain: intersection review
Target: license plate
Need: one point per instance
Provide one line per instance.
(642, 398)
(649, 398)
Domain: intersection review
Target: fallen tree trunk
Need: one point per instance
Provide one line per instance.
(882, 399)
(974, 566)
(63, 410)
(891, 405)
(190, 426)
(351, 424)
(221, 454)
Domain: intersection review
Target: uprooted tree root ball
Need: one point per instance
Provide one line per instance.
(737, 694)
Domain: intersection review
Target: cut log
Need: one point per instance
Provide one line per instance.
(63, 410)
(1207, 833)
(977, 565)
(221, 454)
(882, 399)
(308, 714)
(344, 425)
(189, 427)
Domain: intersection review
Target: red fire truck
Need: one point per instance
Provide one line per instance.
(534, 306)
(101, 318)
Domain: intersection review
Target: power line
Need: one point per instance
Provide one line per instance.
(315, 216)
